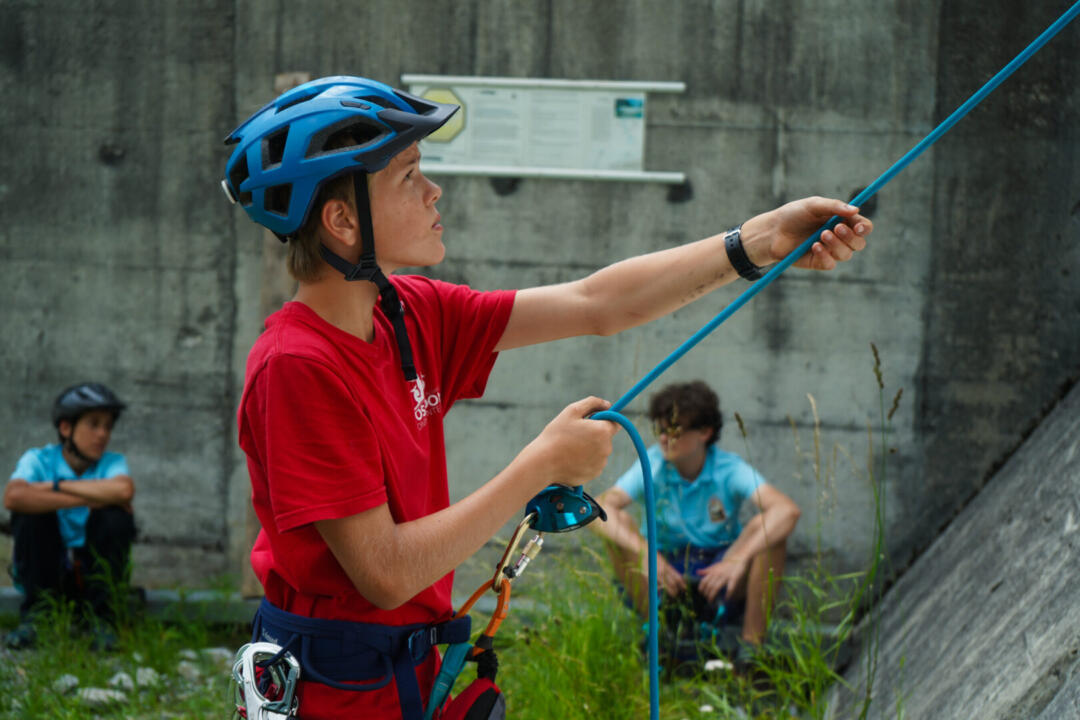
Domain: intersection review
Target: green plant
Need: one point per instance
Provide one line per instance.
(147, 642)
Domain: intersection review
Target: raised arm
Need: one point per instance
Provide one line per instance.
(39, 497)
(389, 563)
(635, 291)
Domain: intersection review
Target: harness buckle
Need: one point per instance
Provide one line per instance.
(415, 643)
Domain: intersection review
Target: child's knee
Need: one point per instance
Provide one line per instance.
(112, 523)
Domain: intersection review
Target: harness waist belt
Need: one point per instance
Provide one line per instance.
(338, 653)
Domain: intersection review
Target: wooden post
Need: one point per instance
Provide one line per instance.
(276, 286)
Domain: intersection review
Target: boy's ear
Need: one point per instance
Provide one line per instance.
(64, 427)
(339, 220)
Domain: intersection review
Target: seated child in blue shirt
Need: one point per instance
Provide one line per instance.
(699, 490)
(71, 515)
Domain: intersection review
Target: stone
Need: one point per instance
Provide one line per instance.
(101, 697)
(65, 684)
(220, 656)
(188, 670)
(147, 677)
(121, 681)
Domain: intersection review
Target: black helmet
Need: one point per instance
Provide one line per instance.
(82, 398)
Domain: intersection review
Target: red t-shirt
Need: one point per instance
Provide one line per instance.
(331, 428)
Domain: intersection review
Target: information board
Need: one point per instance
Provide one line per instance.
(513, 126)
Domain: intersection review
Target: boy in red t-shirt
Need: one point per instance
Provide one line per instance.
(341, 414)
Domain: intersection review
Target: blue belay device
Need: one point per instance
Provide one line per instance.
(560, 508)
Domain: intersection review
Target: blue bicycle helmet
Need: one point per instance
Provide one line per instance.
(283, 156)
(281, 159)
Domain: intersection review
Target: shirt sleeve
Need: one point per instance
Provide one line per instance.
(29, 468)
(632, 482)
(744, 481)
(114, 464)
(470, 325)
(322, 458)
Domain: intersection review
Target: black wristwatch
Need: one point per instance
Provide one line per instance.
(56, 485)
(739, 259)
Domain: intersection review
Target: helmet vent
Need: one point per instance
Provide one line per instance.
(276, 199)
(376, 101)
(237, 175)
(296, 101)
(347, 136)
(273, 148)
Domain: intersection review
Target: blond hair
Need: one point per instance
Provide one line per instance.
(305, 263)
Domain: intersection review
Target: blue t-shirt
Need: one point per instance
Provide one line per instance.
(46, 464)
(703, 512)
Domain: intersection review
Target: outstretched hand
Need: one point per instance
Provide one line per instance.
(771, 236)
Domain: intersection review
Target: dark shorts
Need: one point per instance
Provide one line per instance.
(688, 561)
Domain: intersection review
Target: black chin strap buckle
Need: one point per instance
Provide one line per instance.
(365, 270)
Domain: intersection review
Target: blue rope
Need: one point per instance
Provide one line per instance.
(614, 414)
(650, 528)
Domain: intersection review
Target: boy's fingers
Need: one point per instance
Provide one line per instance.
(826, 207)
(587, 406)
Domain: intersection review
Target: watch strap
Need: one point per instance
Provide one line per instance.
(737, 256)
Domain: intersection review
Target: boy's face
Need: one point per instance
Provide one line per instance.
(680, 440)
(91, 432)
(407, 226)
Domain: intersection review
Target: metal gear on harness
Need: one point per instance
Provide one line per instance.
(265, 680)
(482, 699)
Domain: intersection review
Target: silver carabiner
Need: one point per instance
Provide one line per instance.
(284, 674)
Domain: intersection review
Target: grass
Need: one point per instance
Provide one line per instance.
(27, 677)
(580, 657)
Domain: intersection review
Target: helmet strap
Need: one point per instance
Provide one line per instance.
(367, 269)
(70, 446)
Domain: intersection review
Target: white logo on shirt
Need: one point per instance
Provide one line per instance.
(425, 404)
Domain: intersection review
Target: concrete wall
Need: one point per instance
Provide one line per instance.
(984, 624)
(125, 264)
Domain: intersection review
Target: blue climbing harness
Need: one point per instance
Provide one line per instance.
(339, 653)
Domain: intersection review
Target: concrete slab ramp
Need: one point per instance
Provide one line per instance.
(986, 624)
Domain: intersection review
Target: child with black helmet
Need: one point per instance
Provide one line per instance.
(71, 515)
(345, 391)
